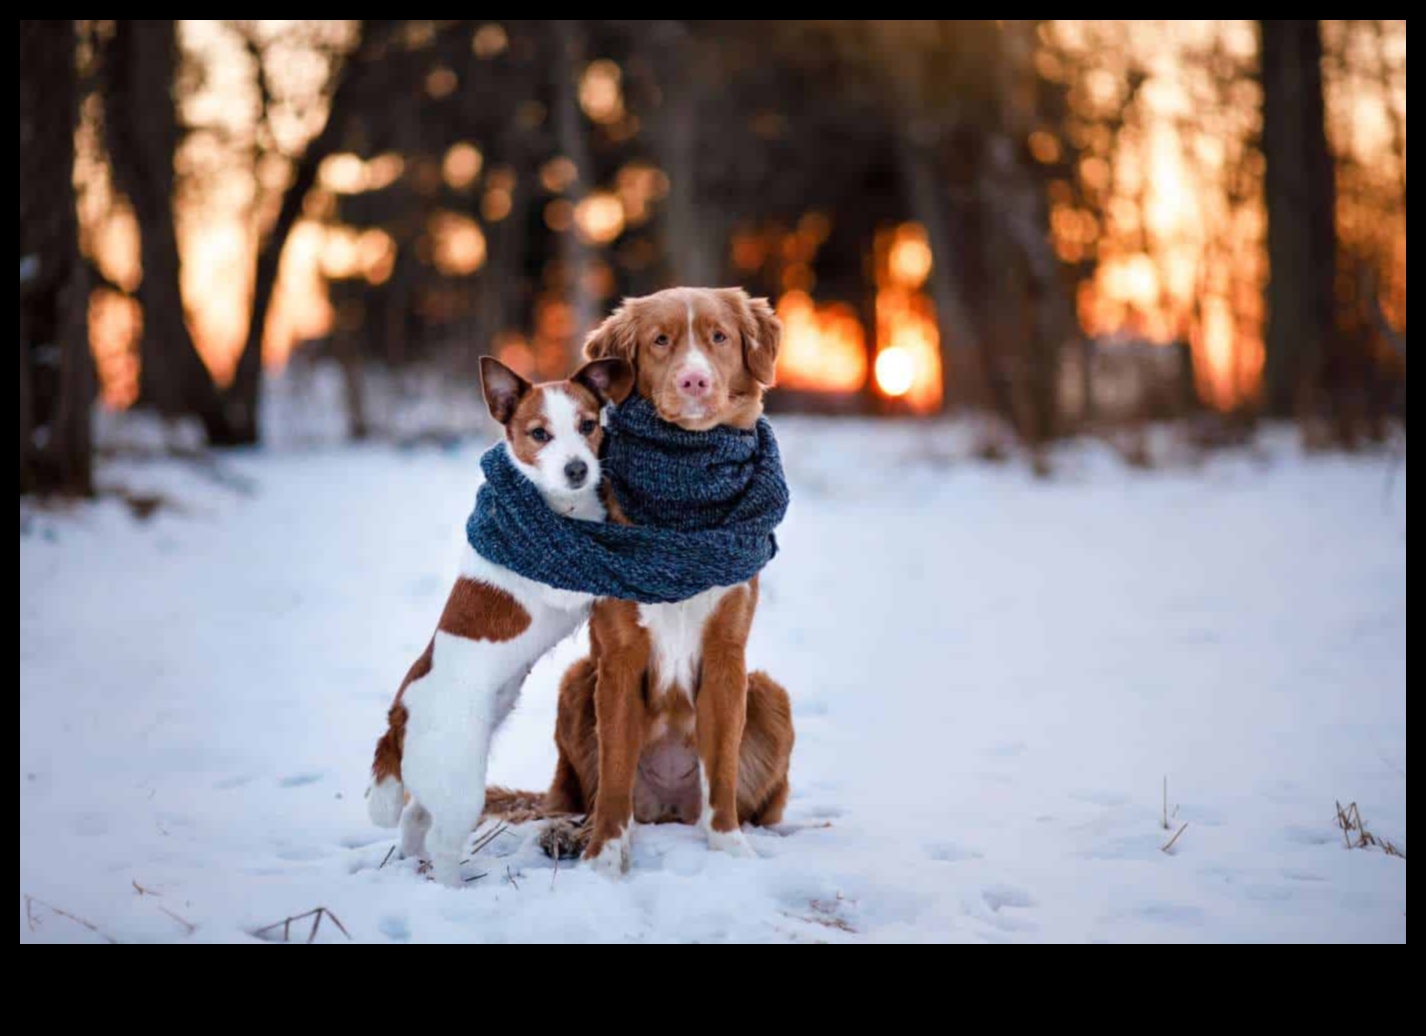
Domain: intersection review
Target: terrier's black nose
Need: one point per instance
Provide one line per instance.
(576, 471)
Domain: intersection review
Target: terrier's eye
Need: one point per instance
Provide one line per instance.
(719, 338)
(540, 435)
(662, 341)
(588, 427)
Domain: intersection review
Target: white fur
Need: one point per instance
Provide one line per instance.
(452, 717)
(733, 842)
(676, 632)
(385, 801)
(454, 711)
(614, 859)
(561, 414)
(697, 361)
(415, 825)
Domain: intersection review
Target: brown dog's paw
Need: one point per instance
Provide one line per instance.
(564, 838)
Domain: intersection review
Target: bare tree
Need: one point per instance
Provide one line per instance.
(56, 369)
(143, 134)
(912, 58)
(572, 139)
(351, 81)
(1301, 203)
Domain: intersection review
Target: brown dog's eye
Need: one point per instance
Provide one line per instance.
(588, 427)
(662, 341)
(719, 338)
(540, 435)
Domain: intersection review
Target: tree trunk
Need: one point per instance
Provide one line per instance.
(926, 192)
(1301, 203)
(694, 245)
(572, 139)
(56, 369)
(1017, 208)
(241, 407)
(141, 120)
(27, 406)
(71, 436)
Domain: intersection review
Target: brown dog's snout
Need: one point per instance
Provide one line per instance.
(694, 383)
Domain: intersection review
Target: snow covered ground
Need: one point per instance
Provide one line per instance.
(993, 677)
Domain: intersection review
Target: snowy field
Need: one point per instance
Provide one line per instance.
(992, 678)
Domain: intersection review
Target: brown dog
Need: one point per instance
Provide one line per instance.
(663, 723)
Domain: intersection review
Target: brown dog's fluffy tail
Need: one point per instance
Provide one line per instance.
(515, 807)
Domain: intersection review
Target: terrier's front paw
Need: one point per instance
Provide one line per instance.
(446, 871)
(415, 822)
(733, 842)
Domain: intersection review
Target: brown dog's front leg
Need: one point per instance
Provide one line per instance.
(619, 708)
(722, 717)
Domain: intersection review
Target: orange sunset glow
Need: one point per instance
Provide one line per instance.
(1179, 254)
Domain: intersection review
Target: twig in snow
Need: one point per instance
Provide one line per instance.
(482, 843)
(478, 877)
(1351, 822)
(189, 926)
(145, 892)
(317, 916)
(511, 879)
(33, 923)
(1170, 815)
(389, 854)
(1174, 840)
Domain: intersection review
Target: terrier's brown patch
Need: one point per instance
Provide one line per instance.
(479, 611)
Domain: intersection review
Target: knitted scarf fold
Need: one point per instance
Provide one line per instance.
(705, 506)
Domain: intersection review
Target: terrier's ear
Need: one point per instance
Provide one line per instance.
(503, 388)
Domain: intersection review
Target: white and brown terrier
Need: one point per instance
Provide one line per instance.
(496, 624)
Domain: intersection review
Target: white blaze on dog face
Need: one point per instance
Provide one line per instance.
(553, 431)
(554, 438)
(702, 355)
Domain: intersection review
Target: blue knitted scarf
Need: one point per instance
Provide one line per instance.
(704, 504)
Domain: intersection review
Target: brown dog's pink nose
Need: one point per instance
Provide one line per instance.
(694, 383)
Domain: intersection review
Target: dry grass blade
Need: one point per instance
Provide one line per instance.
(511, 879)
(33, 922)
(482, 843)
(1174, 840)
(317, 917)
(1356, 835)
(188, 926)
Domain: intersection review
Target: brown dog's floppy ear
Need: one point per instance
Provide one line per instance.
(762, 336)
(617, 337)
(611, 380)
(503, 388)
